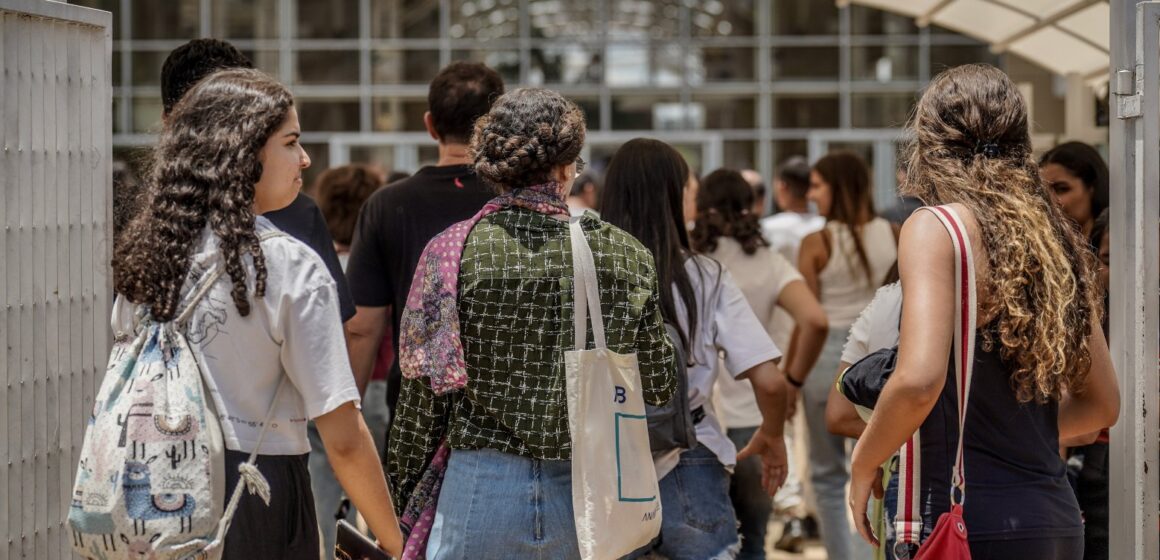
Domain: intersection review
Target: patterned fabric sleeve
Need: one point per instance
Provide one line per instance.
(420, 425)
(654, 349)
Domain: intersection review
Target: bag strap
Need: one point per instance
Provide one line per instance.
(215, 273)
(908, 521)
(586, 291)
(250, 478)
(964, 335)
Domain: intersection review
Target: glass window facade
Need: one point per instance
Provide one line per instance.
(755, 78)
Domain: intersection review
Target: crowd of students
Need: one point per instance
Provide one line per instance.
(453, 338)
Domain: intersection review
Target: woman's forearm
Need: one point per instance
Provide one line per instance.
(769, 389)
(356, 464)
(841, 417)
(899, 413)
(361, 475)
(809, 344)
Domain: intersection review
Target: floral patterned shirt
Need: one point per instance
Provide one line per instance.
(516, 318)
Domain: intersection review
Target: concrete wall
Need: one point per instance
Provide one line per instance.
(55, 192)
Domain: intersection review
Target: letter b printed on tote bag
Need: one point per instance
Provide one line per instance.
(614, 484)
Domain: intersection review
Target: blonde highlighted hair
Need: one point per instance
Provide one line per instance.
(972, 146)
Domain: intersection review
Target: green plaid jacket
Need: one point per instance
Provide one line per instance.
(515, 313)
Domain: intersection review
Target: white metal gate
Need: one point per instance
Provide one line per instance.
(55, 192)
(1135, 324)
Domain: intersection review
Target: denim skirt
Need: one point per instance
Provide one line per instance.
(496, 505)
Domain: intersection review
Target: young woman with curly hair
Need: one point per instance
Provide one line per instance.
(1042, 370)
(843, 264)
(482, 346)
(227, 153)
(728, 231)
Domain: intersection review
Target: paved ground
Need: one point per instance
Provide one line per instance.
(813, 551)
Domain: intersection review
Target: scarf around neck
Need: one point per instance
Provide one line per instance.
(429, 341)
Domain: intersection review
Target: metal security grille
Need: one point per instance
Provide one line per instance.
(55, 192)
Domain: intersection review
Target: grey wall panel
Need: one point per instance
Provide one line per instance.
(55, 204)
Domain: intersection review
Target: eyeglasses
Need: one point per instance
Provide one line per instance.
(580, 164)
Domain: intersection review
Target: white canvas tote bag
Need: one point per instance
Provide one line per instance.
(614, 485)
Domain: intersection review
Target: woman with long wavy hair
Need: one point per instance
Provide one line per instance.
(1042, 369)
(646, 186)
(227, 153)
(727, 230)
(844, 264)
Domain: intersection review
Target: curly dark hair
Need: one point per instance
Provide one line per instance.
(340, 193)
(972, 146)
(527, 133)
(205, 168)
(723, 210)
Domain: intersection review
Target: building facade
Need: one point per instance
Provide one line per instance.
(740, 83)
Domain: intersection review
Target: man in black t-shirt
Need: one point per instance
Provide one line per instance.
(398, 220)
(184, 68)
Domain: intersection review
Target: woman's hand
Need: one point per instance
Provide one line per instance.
(864, 482)
(774, 464)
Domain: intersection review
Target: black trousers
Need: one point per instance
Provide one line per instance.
(1050, 548)
(288, 527)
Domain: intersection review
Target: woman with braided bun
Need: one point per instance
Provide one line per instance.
(482, 344)
(1041, 365)
(267, 330)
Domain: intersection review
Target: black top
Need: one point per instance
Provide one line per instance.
(303, 220)
(1016, 482)
(394, 227)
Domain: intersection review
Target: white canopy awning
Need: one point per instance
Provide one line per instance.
(1063, 36)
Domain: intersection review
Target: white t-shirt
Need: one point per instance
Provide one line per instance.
(728, 330)
(785, 230)
(761, 277)
(877, 327)
(294, 330)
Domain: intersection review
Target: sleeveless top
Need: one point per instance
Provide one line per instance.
(845, 288)
(1016, 483)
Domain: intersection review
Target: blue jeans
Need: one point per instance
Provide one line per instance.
(752, 504)
(698, 522)
(829, 460)
(496, 505)
(327, 491)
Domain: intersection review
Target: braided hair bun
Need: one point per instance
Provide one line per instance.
(528, 133)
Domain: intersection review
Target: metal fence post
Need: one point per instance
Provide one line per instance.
(1134, 499)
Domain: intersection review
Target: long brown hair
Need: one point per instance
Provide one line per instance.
(972, 146)
(205, 168)
(853, 199)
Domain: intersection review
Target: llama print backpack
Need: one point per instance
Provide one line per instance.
(150, 483)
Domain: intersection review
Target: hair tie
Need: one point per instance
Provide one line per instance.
(988, 149)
